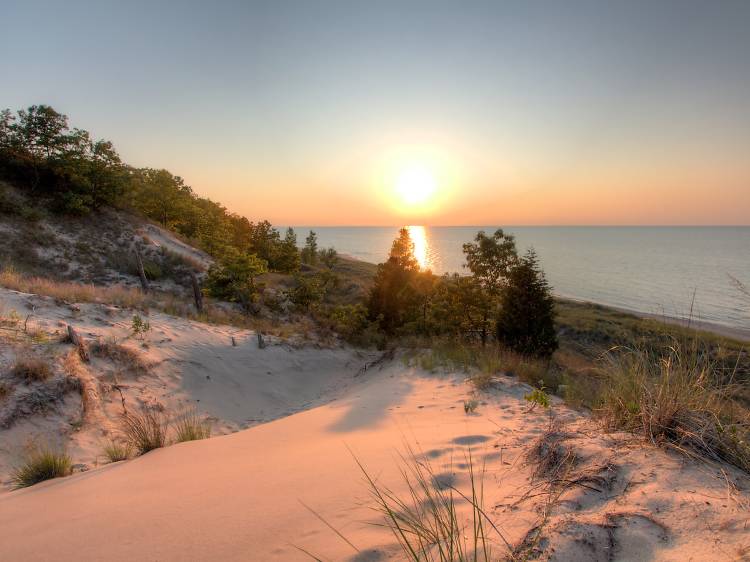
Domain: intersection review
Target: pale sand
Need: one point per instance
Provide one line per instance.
(238, 496)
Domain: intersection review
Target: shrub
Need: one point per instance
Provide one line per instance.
(470, 406)
(526, 321)
(677, 397)
(145, 431)
(39, 464)
(482, 380)
(152, 270)
(119, 353)
(189, 427)
(32, 369)
(139, 326)
(4, 390)
(116, 451)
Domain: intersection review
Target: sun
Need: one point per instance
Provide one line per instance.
(415, 185)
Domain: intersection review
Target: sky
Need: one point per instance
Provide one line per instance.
(385, 113)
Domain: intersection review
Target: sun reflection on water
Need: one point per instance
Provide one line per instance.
(421, 245)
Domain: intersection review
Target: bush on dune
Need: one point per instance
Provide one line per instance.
(39, 464)
(190, 427)
(145, 430)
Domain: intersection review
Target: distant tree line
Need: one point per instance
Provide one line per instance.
(506, 297)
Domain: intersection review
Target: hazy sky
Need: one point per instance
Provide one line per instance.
(524, 112)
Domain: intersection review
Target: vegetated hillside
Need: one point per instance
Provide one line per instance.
(99, 248)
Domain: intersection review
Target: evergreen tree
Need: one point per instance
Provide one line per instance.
(309, 253)
(526, 321)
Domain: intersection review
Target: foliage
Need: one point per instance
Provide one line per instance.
(309, 253)
(234, 278)
(307, 292)
(538, 396)
(329, 257)
(138, 326)
(470, 406)
(526, 321)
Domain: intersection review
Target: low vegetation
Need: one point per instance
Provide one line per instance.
(146, 430)
(428, 520)
(39, 464)
(126, 356)
(32, 369)
(116, 451)
(190, 427)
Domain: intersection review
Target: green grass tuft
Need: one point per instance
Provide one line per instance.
(39, 464)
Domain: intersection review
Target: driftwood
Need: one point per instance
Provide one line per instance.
(234, 342)
(261, 343)
(197, 294)
(79, 343)
(141, 272)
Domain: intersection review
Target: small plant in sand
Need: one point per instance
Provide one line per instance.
(427, 521)
(117, 451)
(139, 327)
(40, 463)
(538, 397)
(470, 406)
(146, 430)
(482, 380)
(31, 369)
(190, 427)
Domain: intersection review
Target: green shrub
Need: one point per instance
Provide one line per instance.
(39, 464)
(152, 270)
(470, 406)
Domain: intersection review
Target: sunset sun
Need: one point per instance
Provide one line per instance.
(415, 185)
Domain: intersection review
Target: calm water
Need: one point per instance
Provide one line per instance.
(647, 269)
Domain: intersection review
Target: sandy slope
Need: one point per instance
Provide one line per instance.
(237, 497)
(190, 365)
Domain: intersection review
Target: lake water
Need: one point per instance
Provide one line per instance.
(658, 270)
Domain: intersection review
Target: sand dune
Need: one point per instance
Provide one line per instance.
(243, 496)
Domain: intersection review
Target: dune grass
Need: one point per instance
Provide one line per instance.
(190, 427)
(145, 430)
(428, 521)
(109, 348)
(31, 369)
(73, 292)
(39, 464)
(680, 397)
(116, 451)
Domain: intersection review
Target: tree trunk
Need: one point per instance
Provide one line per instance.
(141, 272)
(197, 294)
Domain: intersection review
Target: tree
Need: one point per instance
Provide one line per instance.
(287, 254)
(490, 259)
(309, 253)
(526, 320)
(459, 307)
(329, 257)
(234, 279)
(394, 298)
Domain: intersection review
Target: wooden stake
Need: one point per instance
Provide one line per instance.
(141, 272)
(197, 294)
(79, 343)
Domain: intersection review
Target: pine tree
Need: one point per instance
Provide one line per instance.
(526, 319)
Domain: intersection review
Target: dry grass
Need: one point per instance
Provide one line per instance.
(117, 451)
(190, 427)
(145, 431)
(552, 460)
(32, 369)
(680, 397)
(39, 464)
(73, 292)
(127, 356)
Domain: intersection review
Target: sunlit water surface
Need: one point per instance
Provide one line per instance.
(661, 270)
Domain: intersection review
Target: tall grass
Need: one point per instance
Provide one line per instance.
(116, 451)
(146, 430)
(680, 397)
(32, 369)
(190, 427)
(39, 464)
(427, 521)
(73, 292)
